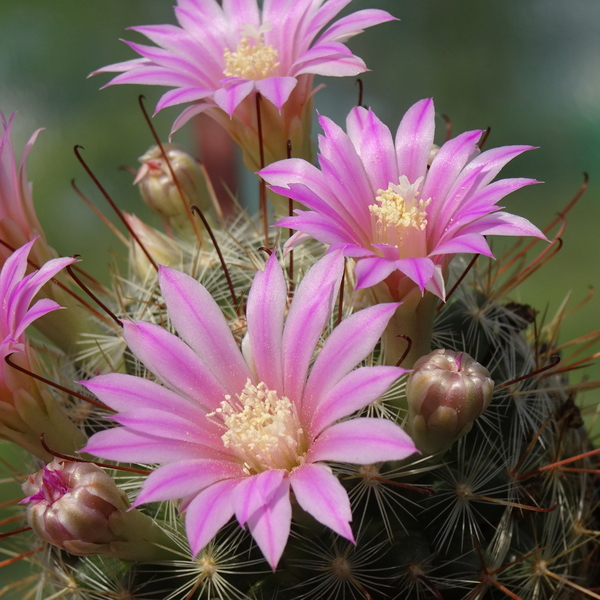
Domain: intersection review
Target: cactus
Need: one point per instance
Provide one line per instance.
(495, 496)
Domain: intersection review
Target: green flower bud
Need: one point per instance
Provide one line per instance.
(162, 248)
(78, 507)
(161, 194)
(446, 392)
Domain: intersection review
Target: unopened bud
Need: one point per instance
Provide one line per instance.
(163, 249)
(78, 507)
(446, 392)
(160, 191)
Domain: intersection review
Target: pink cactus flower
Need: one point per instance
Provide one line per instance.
(220, 55)
(18, 221)
(402, 208)
(235, 430)
(17, 291)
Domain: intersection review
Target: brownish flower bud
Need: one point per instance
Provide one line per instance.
(446, 392)
(78, 507)
(160, 192)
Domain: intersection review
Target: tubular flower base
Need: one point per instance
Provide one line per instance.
(221, 57)
(399, 213)
(239, 430)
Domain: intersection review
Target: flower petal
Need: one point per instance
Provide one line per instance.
(270, 525)
(347, 345)
(201, 323)
(208, 512)
(265, 312)
(362, 441)
(125, 445)
(228, 97)
(276, 89)
(414, 140)
(355, 391)
(185, 477)
(321, 495)
(255, 492)
(310, 309)
(174, 363)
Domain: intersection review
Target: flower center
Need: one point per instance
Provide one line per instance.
(252, 59)
(263, 429)
(398, 217)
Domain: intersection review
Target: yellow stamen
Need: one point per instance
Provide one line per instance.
(398, 218)
(252, 59)
(262, 429)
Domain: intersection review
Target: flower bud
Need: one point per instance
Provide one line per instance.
(163, 249)
(446, 392)
(78, 507)
(161, 194)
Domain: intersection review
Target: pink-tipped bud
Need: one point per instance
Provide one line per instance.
(161, 193)
(78, 507)
(446, 392)
(72, 506)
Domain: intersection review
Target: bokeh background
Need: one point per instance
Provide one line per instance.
(529, 69)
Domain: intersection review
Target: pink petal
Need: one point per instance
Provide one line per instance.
(125, 445)
(255, 492)
(130, 393)
(449, 161)
(174, 363)
(318, 226)
(241, 12)
(187, 114)
(276, 89)
(181, 95)
(354, 24)
(208, 512)
(183, 478)
(270, 525)
(420, 270)
(503, 223)
(39, 309)
(331, 59)
(355, 391)
(470, 243)
(414, 140)
(371, 270)
(265, 312)
(348, 344)
(320, 494)
(309, 311)
(228, 98)
(201, 323)
(374, 144)
(163, 424)
(362, 441)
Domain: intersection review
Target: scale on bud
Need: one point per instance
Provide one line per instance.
(446, 392)
(77, 507)
(162, 194)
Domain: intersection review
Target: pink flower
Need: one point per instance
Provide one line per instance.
(18, 221)
(237, 431)
(17, 291)
(401, 213)
(220, 55)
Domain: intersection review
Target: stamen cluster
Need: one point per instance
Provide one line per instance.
(263, 429)
(253, 59)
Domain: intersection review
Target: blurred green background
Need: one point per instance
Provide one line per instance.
(529, 69)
